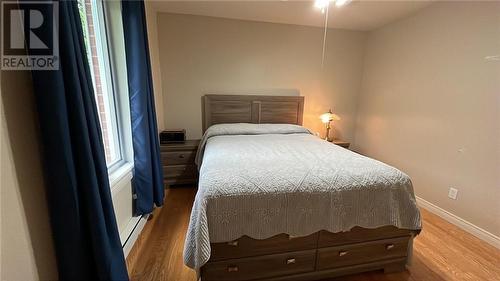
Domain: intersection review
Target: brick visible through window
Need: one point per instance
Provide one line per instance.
(97, 75)
(103, 95)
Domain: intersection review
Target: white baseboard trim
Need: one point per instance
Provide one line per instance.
(458, 221)
(134, 235)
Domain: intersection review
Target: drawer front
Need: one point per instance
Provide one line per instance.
(363, 252)
(260, 267)
(178, 157)
(180, 146)
(179, 172)
(358, 234)
(248, 247)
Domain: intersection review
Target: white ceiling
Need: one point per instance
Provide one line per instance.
(357, 15)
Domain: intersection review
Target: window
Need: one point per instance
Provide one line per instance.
(92, 15)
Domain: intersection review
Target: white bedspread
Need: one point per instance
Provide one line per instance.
(262, 180)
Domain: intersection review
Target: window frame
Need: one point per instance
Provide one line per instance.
(111, 44)
(104, 51)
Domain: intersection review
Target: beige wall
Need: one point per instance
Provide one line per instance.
(430, 106)
(151, 17)
(26, 244)
(200, 55)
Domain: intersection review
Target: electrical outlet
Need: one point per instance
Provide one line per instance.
(453, 193)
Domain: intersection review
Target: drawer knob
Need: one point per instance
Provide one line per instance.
(343, 253)
(389, 246)
(290, 261)
(233, 243)
(232, 268)
(181, 156)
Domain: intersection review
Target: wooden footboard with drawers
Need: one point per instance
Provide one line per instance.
(317, 256)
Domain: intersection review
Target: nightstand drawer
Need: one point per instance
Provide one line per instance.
(178, 162)
(180, 172)
(178, 157)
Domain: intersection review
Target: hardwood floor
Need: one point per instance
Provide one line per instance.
(441, 252)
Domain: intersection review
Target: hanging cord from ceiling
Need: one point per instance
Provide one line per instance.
(325, 36)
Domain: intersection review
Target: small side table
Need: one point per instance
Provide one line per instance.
(342, 143)
(178, 162)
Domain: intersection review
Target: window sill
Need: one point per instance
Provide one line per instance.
(118, 175)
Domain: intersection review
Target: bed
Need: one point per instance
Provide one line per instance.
(274, 202)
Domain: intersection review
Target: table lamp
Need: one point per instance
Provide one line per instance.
(327, 118)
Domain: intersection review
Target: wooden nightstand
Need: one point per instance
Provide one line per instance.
(342, 143)
(178, 162)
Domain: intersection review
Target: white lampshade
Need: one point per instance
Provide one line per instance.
(329, 116)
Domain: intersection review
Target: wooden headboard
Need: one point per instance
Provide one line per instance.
(252, 109)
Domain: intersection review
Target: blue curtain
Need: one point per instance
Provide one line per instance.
(83, 222)
(148, 173)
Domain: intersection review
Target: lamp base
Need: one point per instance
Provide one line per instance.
(327, 134)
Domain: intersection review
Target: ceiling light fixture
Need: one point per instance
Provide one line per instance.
(321, 4)
(340, 3)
